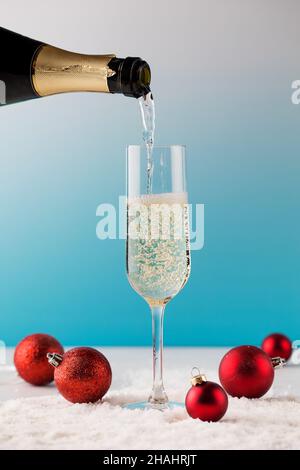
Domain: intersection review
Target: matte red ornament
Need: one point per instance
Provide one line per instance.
(30, 358)
(82, 375)
(247, 371)
(277, 344)
(206, 400)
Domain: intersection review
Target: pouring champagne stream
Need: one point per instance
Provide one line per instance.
(158, 250)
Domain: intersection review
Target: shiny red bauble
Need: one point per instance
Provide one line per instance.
(31, 358)
(277, 344)
(246, 371)
(82, 375)
(206, 401)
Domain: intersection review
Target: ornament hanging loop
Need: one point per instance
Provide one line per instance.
(278, 362)
(195, 371)
(54, 359)
(198, 378)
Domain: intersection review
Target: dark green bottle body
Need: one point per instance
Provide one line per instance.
(16, 57)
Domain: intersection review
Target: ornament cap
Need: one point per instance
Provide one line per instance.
(198, 378)
(278, 362)
(54, 359)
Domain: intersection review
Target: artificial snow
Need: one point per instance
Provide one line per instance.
(50, 422)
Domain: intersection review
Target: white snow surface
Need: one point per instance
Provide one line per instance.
(50, 422)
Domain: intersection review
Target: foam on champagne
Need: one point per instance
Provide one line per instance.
(162, 198)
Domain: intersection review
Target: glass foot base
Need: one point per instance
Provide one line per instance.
(145, 405)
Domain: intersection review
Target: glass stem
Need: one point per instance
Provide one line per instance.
(158, 395)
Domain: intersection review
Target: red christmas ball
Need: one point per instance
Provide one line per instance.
(82, 375)
(206, 400)
(277, 344)
(246, 371)
(30, 358)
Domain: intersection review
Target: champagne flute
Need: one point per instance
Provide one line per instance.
(158, 250)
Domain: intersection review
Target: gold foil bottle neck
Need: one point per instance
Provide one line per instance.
(55, 71)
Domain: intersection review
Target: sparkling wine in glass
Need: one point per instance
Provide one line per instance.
(158, 251)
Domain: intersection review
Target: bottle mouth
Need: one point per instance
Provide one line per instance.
(132, 77)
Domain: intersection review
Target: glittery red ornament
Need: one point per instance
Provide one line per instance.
(277, 344)
(206, 400)
(31, 358)
(247, 371)
(82, 375)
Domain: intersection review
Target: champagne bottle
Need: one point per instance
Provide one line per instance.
(31, 69)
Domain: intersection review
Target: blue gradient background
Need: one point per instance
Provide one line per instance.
(222, 74)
